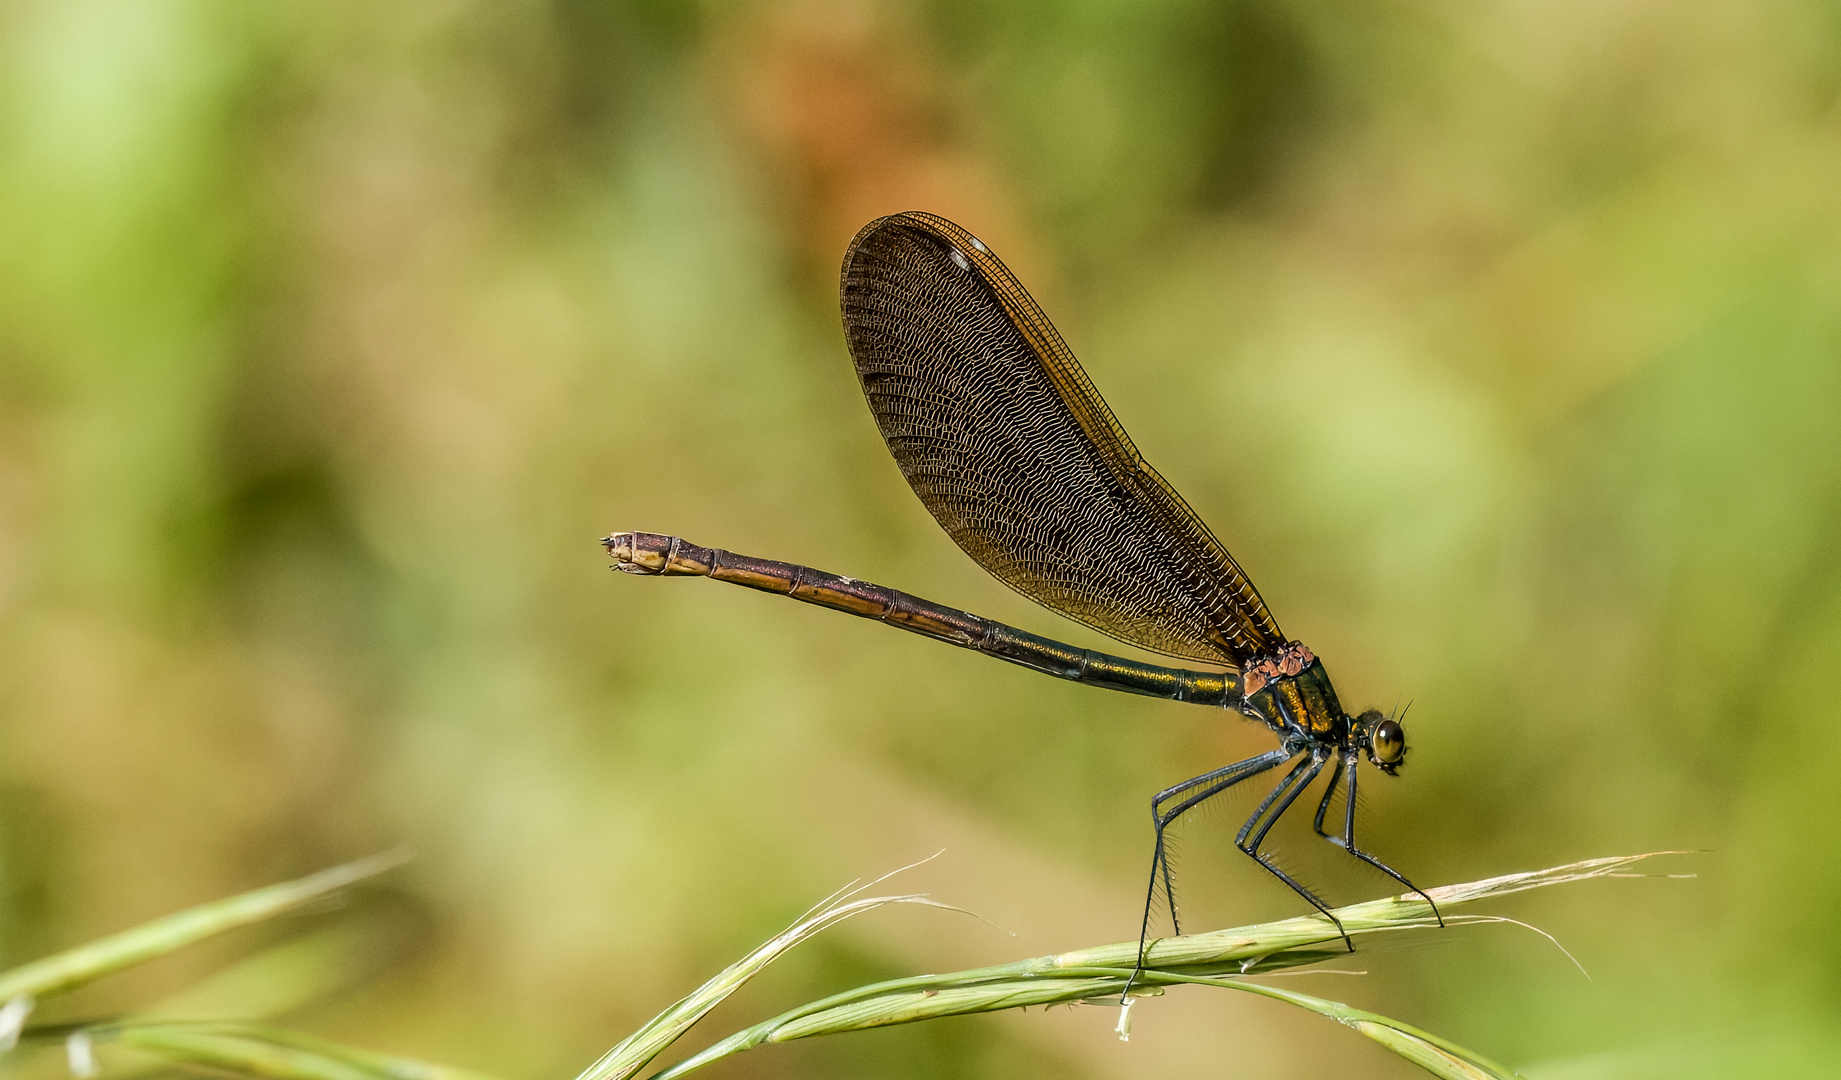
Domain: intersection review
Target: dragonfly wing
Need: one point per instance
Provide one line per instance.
(1007, 443)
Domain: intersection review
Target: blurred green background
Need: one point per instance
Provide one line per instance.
(1501, 342)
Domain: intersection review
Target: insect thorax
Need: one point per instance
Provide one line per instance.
(1291, 692)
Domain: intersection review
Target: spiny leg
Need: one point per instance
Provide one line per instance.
(1191, 794)
(1284, 795)
(1348, 844)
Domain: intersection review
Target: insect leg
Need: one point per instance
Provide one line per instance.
(1348, 844)
(1323, 807)
(1279, 801)
(1172, 803)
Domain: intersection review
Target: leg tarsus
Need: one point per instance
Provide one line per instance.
(1348, 845)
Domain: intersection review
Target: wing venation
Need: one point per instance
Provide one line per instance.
(1012, 450)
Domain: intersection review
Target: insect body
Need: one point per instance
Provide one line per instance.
(1007, 443)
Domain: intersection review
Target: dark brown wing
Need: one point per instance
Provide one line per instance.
(1006, 442)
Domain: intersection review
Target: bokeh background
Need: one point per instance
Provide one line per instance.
(1500, 341)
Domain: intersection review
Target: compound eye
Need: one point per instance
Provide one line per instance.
(1389, 743)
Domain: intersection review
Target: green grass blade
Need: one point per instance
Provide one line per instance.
(1440, 1057)
(638, 1049)
(275, 980)
(178, 1042)
(280, 978)
(75, 967)
(276, 1053)
(1103, 971)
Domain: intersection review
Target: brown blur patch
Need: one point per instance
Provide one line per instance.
(852, 119)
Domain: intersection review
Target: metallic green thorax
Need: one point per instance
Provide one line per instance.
(1305, 702)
